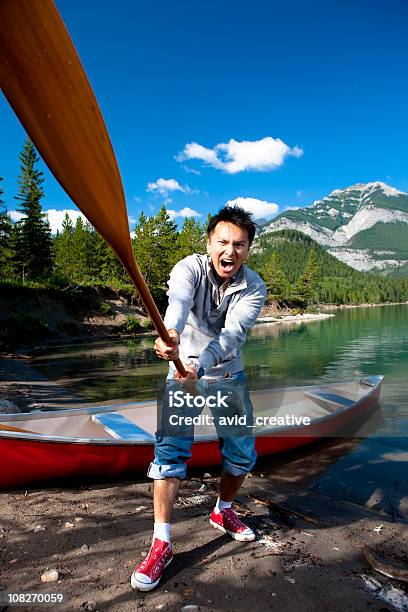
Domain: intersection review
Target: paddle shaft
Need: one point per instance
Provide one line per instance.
(44, 81)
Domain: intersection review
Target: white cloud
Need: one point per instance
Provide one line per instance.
(193, 150)
(164, 186)
(191, 170)
(56, 217)
(184, 212)
(259, 208)
(15, 215)
(235, 156)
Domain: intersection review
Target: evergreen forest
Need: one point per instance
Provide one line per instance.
(296, 269)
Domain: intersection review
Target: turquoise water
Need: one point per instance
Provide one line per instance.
(354, 343)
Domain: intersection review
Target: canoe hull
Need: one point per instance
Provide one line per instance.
(26, 461)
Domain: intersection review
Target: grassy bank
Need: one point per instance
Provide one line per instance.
(41, 313)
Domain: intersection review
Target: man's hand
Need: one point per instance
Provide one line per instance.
(170, 353)
(191, 375)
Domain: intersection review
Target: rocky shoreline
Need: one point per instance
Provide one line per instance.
(298, 318)
(368, 305)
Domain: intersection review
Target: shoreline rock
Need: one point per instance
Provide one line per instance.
(297, 318)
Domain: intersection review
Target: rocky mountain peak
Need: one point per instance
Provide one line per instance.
(366, 214)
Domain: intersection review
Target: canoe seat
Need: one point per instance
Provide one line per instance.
(119, 427)
(325, 399)
(371, 381)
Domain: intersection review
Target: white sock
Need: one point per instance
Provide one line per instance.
(222, 505)
(162, 531)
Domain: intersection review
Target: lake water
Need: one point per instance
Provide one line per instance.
(354, 343)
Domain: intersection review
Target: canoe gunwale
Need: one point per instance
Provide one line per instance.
(52, 414)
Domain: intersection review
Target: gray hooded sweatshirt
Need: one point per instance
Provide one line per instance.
(212, 324)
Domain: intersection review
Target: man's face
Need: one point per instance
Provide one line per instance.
(228, 248)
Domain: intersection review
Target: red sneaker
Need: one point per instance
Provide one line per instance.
(228, 522)
(148, 573)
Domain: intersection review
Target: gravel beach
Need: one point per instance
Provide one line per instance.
(93, 535)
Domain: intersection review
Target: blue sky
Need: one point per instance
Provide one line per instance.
(277, 102)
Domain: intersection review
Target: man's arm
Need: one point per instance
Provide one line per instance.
(181, 298)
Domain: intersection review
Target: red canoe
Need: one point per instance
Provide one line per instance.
(113, 440)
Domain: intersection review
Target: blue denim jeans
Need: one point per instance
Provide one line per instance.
(237, 452)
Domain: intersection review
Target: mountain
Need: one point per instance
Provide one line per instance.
(338, 282)
(365, 226)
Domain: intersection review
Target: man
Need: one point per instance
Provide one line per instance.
(213, 300)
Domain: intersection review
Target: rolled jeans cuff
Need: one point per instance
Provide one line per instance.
(232, 469)
(173, 470)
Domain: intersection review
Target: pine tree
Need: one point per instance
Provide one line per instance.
(105, 265)
(82, 252)
(5, 237)
(64, 260)
(82, 255)
(166, 235)
(275, 279)
(191, 239)
(307, 286)
(33, 234)
(143, 246)
(155, 247)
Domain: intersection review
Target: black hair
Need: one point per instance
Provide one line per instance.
(237, 216)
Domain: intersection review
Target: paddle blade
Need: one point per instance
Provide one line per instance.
(43, 79)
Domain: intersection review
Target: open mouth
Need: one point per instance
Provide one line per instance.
(227, 264)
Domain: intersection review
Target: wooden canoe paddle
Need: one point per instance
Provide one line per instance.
(43, 79)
